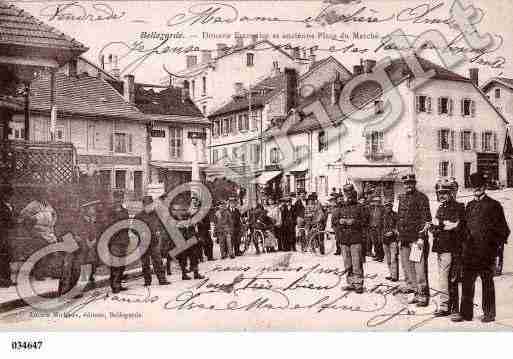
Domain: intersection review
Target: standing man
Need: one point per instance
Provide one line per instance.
(179, 210)
(288, 225)
(148, 216)
(376, 227)
(6, 222)
(447, 237)
(119, 242)
(390, 245)
(414, 218)
(224, 230)
(237, 225)
(487, 229)
(349, 221)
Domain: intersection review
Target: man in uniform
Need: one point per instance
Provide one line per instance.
(237, 225)
(375, 231)
(119, 242)
(6, 222)
(148, 216)
(349, 221)
(179, 210)
(390, 245)
(414, 217)
(447, 232)
(487, 229)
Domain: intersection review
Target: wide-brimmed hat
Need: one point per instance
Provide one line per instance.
(477, 179)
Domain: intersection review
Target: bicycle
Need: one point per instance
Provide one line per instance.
(248, 240)
(317, 240)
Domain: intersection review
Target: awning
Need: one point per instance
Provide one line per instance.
(377, 173)
(267, 176)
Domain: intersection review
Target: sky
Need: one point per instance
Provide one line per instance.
(116, 27)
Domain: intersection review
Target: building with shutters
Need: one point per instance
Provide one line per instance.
(444, 128)
(499, 91)
(108, 132)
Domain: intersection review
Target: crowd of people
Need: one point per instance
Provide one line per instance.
(468, 240)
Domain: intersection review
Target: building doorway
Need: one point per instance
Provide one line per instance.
(467, 166)
(138, 184)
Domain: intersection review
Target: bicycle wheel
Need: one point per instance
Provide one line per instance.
(317, 244)
(244, 243)
(258, 237)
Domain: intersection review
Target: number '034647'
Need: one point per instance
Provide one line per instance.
(26, 345)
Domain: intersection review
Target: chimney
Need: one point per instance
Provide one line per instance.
(191, 60)
(368, 66)
(129, 88)
(102, 61)
(115, 69)
(474, 75)
(291, 88)
(185, 91)
(206, 56)
(237, 89)
(239, 42)
(72, 68)
(357, 70)
(220, 49)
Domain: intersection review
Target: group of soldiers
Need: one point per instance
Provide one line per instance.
(467, 241)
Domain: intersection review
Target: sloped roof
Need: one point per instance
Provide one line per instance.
(18, 27)
(316, 64)
(83, 95)
(165, 102)
(502, 80)
(269, 86)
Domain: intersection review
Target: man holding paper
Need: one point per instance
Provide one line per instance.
(414, 217)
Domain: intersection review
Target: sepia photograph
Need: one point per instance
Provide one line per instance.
(261, 166)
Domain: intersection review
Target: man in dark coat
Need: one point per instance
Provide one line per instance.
(153, 254)
(299, 204)
(349, 221)
(118, 245)
(414, 217)
(447, 232)
(6, 222)
(237, 225)
(487, 230)
(288, 225)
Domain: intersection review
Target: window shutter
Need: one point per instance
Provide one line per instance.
(453, 142)
(368, 143)
(474, 141)
(462, 140)
(130, 143)
(439, 133)
(439, 105)
(451, 106)
(473, 108)
(451, 165)
(462, 105)
(495, 143)
(111, 142)
(381, 142)
(428, 104)
(440, 167)
(417, 104)
(483, 141)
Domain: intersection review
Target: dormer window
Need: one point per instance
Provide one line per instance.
(250, 59)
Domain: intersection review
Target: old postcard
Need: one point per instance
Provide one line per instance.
(256, 165)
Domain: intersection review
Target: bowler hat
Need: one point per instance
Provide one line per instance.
(477, 179)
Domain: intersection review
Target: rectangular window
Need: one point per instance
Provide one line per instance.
(487, 141)
(158, 133)
(300, 183)
(121, 143)
(246, 122)
(444, 140)
(323, 141)
(255, 153)
(445, 105)
(497, 93)
(466, 141)
(215, 156)
(59, 134)
(274, 155)
(423, 104)
(204, 85)
(216, 128)
(250, 59)
(375, 143)
(443, 170)
(175, 142)
(233, 125)
(300, 153)
(254, 120)
(226, 126)
(468, 108)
